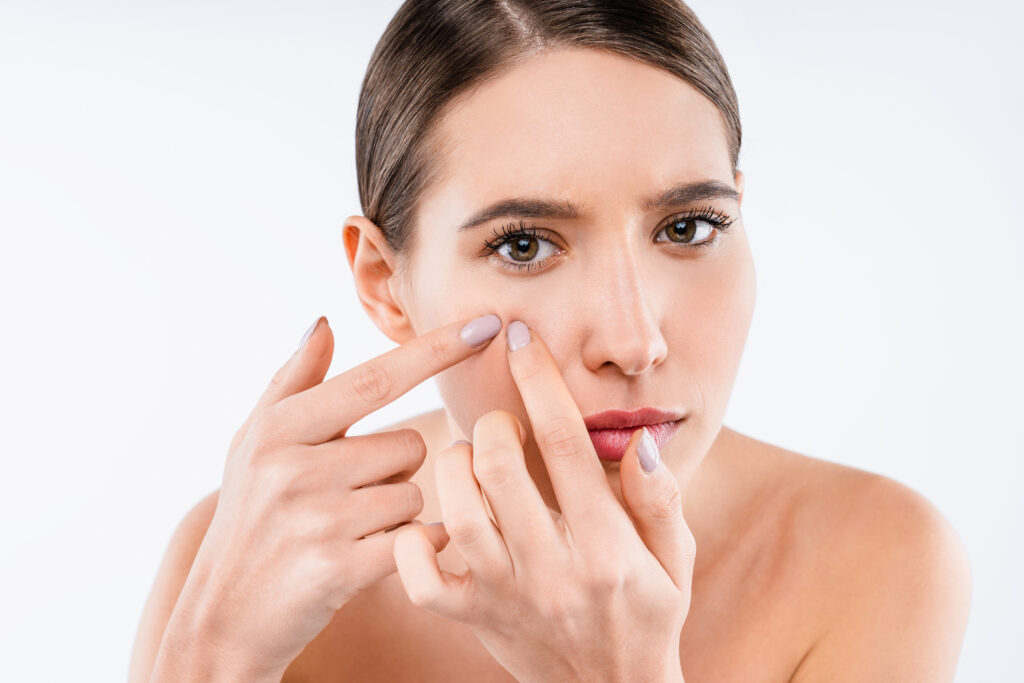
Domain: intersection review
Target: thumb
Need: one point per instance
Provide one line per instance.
(654, 502)
(306, 368)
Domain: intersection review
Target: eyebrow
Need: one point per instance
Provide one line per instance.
(539, 207)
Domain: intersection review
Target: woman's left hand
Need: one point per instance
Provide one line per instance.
(599, 592)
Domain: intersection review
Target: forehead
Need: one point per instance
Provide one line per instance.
(576, 124)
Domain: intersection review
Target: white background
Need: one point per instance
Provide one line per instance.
(173, 181)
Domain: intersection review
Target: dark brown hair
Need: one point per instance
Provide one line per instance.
(435, 50)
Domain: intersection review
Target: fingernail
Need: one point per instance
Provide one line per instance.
(518, 335)
(434, 523)
(458, 441)
(479, 330)
(648, 452)
(309, 333)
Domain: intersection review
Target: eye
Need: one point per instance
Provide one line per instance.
(696, 229)
(520, 246)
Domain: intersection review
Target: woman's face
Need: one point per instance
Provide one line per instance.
(632, 314)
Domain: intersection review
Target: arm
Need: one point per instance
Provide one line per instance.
(180, 647)
(899, 605)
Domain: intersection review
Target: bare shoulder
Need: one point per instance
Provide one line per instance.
(891, 576)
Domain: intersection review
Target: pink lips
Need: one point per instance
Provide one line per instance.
(610, 430)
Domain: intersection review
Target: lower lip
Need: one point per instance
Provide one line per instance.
(611, 443)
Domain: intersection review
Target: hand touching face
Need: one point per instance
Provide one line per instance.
(599, 589)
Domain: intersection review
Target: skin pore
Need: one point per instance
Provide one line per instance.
(633, 310)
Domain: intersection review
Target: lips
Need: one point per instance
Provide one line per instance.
(610, 430)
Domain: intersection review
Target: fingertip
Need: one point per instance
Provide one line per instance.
(647, 452)
(478, 331)
(310, 333)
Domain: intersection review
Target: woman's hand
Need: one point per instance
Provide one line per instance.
(290, 541)
(593, 594)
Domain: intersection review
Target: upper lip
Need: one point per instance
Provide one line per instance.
(621, 419)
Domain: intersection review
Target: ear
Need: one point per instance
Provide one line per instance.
(376, 273)
(739, 186)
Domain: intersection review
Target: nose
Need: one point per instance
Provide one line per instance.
(623, 319)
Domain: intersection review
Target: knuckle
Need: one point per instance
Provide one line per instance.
(438, 349)
(499, 422)
(413, 446)
(410, 498)
(560, 440)
(603, 580)
(496, 467)
(278, 477)
(465, 531)
(278, 380)
(265, 430)
(421, 596)
(668, 501)
(493, 418)
(372, 383)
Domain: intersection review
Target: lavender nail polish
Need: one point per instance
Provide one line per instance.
(648, 452)
(308, 334)
(479, 330)
(518, 335)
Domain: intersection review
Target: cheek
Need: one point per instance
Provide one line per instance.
(477, 385)
(713, 330)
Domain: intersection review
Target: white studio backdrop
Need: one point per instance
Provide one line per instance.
(173, 181)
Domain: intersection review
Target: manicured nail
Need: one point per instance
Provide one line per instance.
(479, 330)
(458, 441)
(648, 452)
(309, 332)
(518, 335)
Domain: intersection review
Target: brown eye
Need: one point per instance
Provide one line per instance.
(523, 248)
(685, 229)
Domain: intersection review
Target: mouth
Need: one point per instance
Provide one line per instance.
(610, 430)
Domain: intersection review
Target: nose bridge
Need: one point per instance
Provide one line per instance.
(626, 318)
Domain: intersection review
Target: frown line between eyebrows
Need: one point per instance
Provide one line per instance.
(540, 207)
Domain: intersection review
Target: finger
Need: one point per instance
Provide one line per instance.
(327, 410)
(385, 457)
(374, 556)
(425, 583)
(375, 508)
(585, 498)
(654, 502)
(524, 521)
(465, 515)
(306, 368)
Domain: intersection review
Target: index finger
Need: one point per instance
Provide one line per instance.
(325, 411)
(577, 477)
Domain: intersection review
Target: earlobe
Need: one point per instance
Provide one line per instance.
(374, 266)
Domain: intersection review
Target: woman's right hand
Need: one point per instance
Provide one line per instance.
(289, 542)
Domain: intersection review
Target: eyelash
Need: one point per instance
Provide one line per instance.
(509, 232)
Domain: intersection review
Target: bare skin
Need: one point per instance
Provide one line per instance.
(359, 642)
(805, 570)
(762, 580)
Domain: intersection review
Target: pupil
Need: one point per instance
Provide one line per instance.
(522, 248)
(688, 230)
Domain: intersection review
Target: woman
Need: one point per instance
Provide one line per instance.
(552, 227)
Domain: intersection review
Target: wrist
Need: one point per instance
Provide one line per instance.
(195, 648)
